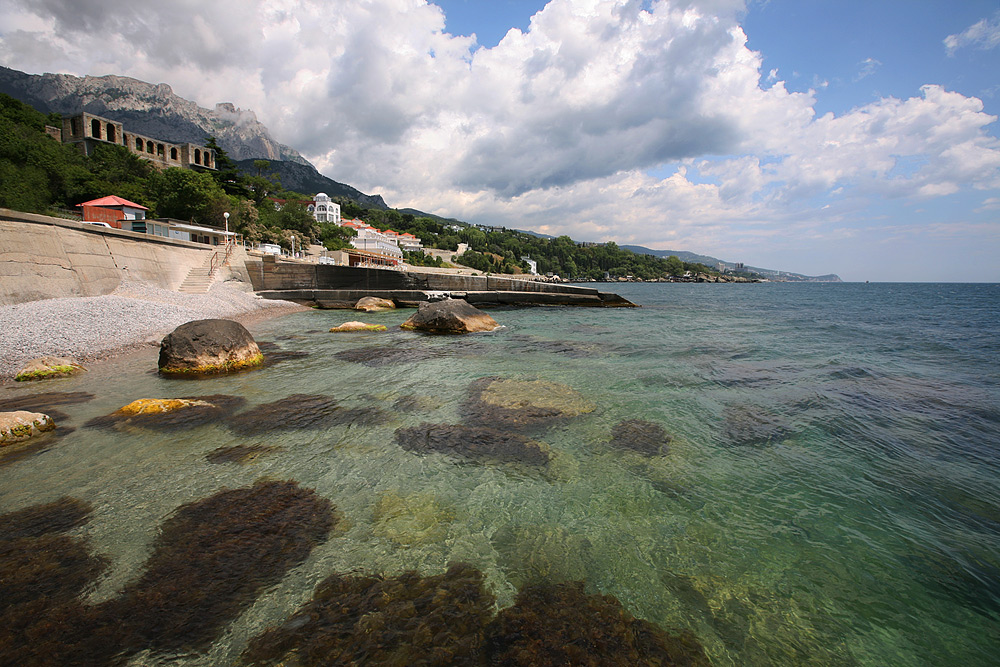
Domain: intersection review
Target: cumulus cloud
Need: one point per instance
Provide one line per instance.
(557, 128)
(984, 34)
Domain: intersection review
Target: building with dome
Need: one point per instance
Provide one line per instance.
(324, 209)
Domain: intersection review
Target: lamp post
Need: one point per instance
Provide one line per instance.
(226, 216)
(293, 247)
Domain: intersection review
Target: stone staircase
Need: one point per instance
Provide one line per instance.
(200, 278)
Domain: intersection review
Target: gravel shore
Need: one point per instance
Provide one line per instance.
(136, 314)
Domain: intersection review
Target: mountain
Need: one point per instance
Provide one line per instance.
(148, 109)
(712, 262)
(305, 178)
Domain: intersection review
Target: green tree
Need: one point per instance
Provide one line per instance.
(187, 195)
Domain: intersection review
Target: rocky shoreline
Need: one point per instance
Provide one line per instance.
(134, 316)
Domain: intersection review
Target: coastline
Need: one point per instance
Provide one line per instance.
(135, 316)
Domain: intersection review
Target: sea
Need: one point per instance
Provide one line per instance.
(823, 486)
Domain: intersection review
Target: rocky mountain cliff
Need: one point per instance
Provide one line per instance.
(148, 109)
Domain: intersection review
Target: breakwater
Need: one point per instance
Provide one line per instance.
(328, 286)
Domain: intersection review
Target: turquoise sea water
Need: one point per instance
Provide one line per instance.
(830, 496)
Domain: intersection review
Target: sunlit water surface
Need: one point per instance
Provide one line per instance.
(831, 494)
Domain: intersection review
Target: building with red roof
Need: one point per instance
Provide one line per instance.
(112, 210)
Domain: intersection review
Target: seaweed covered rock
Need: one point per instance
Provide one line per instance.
(350, 327)
(239, 453)
(45, 368)
(373, 304)
(402, 620)
(522, 403)
(211, 559)
(301, 411)
(450, 316)
(208, 346)
(475, 443)
(21, 425)
(753, 426)
(375, 357)
(168, 414)
(559, 624)
(637, 435)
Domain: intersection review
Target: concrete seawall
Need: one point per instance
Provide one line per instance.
(329, 286)
(46, 258)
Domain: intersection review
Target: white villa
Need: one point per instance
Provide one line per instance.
(323, 209)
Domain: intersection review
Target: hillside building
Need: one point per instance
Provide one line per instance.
(112, 211)
(87, 131)
(324, 209)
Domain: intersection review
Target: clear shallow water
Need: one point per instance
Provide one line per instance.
(831, 495)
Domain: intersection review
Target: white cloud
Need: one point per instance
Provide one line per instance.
(866, 68)
(984, 34)
(556, 128)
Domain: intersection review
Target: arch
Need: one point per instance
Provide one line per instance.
(111, 133)
(173, 152)
(197, 156)
(149, 146)
(95, 129)
(159, 149)
(138, 144)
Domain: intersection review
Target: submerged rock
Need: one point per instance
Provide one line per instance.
(475, 443)
(21, 425)
(559, 624)
(641, 436)
(384, 356)
(523, 403)
(357, 326)
(753, 426)
(301, 411)
(412, 518)
(45, 368)
(373, 304)
(208, 346)
(373, 620)
(167, 414)
(451, 316)
(239, 453)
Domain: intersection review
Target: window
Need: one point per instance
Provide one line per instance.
(138, 144)
(111, 133)
(149, 146)
(197, 156)
(173, 153)
(159, 150)
(95, 129)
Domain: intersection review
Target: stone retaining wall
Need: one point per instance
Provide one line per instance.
(46, 258)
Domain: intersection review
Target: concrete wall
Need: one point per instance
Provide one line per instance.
(47, 258)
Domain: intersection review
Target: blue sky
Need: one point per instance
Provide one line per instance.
(858, 138)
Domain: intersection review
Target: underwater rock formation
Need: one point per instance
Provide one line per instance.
(753, 426)
(170, 414)
(412, 518)
(512, 403)
(45, 402)
(207, 347)
(301, 411)
(402, 620)
(383, 356)
(239, 453)
(559, 624)
(210, 560)
(637, 435)
(472, 442)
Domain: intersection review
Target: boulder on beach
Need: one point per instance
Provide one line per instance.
(21, 425)
(44, 368)
(358, 326)
(449, 316)
(373, 304)
(208, 346)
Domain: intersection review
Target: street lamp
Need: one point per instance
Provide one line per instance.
(226, 216)
(293, 247)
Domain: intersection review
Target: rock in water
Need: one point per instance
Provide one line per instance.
(641, 436)
(358, 326)
(209, 346)
(48, 367)
(373, 304)
(450, 316)
(21, 425)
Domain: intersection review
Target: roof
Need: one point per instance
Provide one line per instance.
(112, 200)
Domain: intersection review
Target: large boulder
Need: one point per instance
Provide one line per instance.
(209, 346)
(373, 304)
(21, 425)
(44, 368)
(449, 316)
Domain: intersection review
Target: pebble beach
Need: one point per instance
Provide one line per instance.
(135, 315)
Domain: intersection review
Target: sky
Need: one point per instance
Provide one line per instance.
(843, 136)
